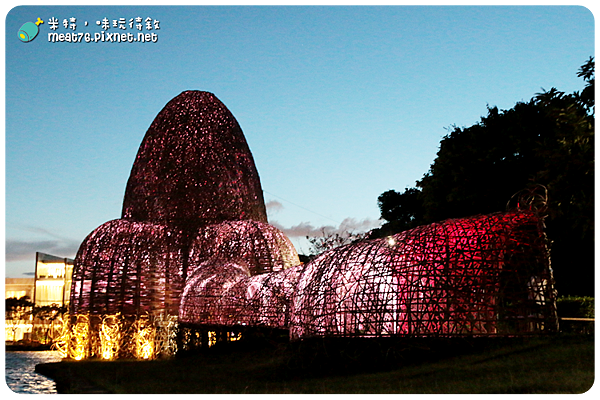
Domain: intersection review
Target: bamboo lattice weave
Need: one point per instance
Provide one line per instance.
(193, 246)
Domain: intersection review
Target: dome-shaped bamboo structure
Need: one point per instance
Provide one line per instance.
(130, 268)
(225, 294)
(257, 245)
(193, 197)
(194, 168)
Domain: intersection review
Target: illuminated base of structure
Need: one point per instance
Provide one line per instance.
(109, 337)
(112, 337)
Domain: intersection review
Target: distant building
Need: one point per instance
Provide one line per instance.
(52, 280)
(19, 287)
(51, 285)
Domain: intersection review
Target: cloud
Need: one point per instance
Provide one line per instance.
(352, 225)
(17, 250)
(304, 229)
(273, 206)
(43, 240)
(43, 231)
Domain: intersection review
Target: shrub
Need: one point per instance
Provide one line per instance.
(575, 307)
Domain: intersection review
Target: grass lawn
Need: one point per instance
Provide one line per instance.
(554, 364)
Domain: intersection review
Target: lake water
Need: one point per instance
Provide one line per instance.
(20, 371)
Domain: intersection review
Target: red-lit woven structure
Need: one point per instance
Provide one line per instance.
(485, 275)
(193, 171)
(245, 272)
(130, 268)
(259, 246)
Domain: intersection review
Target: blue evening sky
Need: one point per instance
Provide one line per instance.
(338, 104)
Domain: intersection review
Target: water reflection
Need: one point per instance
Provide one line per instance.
(20, 371)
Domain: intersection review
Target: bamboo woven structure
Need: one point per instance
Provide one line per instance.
(193, 199)
(193, 246)
(194, 168)
(484, 275)
(226, 295)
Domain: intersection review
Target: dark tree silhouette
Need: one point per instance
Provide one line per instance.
(402, 210)
(547, 141)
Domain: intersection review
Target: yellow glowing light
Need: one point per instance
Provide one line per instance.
(145, 350)
(61, 340)
(79, 339)
(391, 241)
(144, 340)
(212, 338)
(233, 336)
(165, 340)
(110, 337)
(113, 337)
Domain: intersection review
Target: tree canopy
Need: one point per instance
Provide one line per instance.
(546, 141)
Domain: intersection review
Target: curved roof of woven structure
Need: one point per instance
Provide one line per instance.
(241, 273)
(483, 275)
(194, 168)
(128, 267)
(261, 247)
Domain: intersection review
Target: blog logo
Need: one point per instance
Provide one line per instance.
(29, 30)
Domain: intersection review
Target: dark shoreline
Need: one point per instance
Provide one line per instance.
(67, 380)
(337, 367)
(28, 347)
